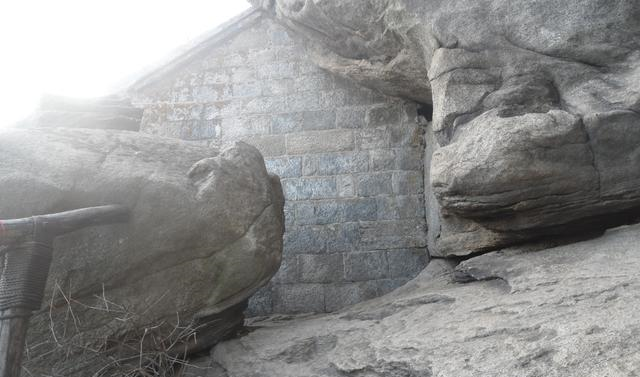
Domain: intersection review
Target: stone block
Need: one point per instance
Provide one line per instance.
(361, 209)
(243, 74)
(237, 127)
(251, 40)
(154, 113)
(286, 123)
(318, 120)
(288, 271)
(265, 105)
(376, 97)
(308, 67)
(235, 59)
(298, 298)
(268, 145)
(211, 111)
(406, 135)
(290, 53)
(319, 81)
(374, 138)
(180, 95)
(393, 234)
(150, 127)
(284, 167)
(278, 70)
(342, 237)
(320, 141)
(357, 96)
(216, 77)
(384, 115)
(211, 93)
(331, 99)
(278, 87)
(318, 212)
(280, 37)
(303, 101)
(338, 296)
(200, 130)
(310, 188)
(406, 263)
(187, 79)
(350, 117)
(179, 112)
(289, 214)
(408, 182)
(383, 159)
(364, 266)
(324, 268)
(401, 207)
(261, 303)
(166, 129)
(410, 158)
(232, 108)
(335, 163)
(250, 89)
(305, 240)
(263, 55)
(373, 184)
(346, 186)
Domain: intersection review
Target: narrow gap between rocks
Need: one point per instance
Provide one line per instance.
(425, 110)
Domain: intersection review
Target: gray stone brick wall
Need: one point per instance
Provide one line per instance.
(350, 160)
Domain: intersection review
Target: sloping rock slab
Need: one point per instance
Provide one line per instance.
(205, 233)
(566, 311)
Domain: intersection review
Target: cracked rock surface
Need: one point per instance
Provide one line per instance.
(205, 233)
(564, 311)
(536, 106)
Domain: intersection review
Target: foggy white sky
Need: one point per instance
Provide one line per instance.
(83, 48)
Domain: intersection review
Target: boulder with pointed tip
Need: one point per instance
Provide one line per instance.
(205, 233)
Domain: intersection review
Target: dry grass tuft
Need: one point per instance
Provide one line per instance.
(158, 350)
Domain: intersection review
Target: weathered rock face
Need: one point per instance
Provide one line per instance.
(368, 41)
(205, 233)
(536, 109)
(565, 311)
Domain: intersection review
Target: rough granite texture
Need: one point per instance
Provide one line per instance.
(536, 108)
(205, 233)
(350, 160)
(566, 311)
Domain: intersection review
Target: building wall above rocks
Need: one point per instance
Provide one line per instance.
(350, 160)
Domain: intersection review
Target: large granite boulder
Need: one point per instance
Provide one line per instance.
(205, 233)
(536, 108)
(565, 311)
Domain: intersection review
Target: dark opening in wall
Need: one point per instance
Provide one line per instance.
(426, 110)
